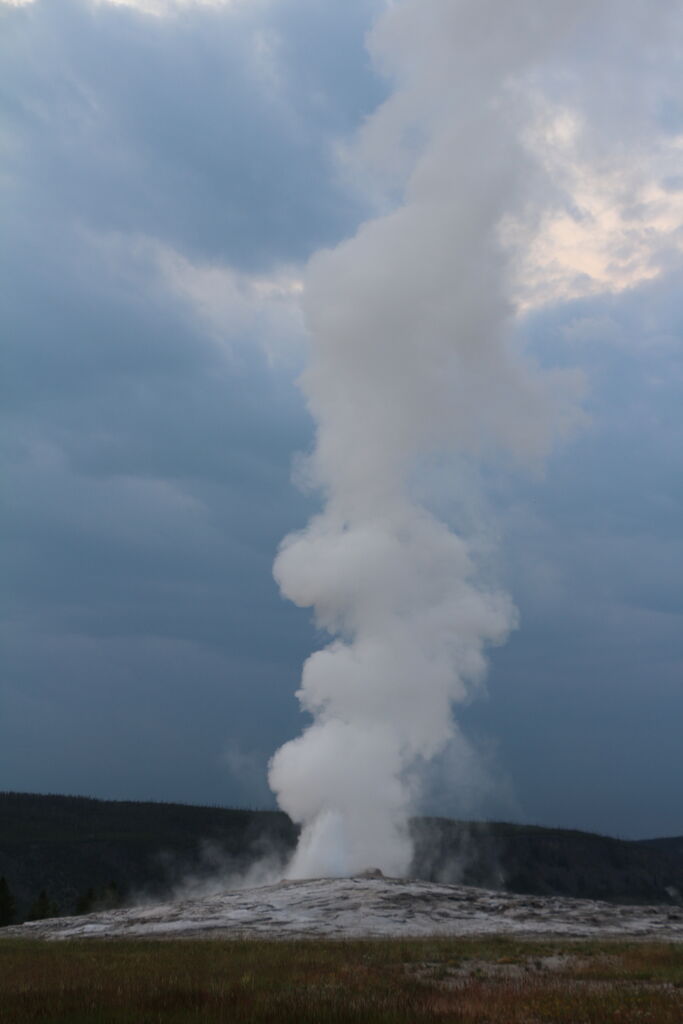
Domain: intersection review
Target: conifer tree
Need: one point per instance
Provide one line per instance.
(7, 905)
(111, 897)
(86, 903)
(42, 907)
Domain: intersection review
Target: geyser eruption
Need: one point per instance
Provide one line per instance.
(410, 355)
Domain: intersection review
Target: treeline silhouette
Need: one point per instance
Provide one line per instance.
(70, 847)
(109, 897)
(67, 855)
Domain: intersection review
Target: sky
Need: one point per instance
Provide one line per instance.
(168, 172)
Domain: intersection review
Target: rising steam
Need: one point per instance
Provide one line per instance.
(411, 354)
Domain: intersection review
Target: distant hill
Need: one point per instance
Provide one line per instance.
(78, 850)
(67, 845)
(549, 861)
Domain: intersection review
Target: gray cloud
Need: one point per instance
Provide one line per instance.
(187, 128)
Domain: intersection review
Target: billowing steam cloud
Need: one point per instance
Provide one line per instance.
(411, 354)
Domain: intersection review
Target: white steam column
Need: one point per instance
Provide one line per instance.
(410, 355)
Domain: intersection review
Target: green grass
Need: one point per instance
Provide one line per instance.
(500, 981)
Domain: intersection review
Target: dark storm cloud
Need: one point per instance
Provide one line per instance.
(190, 128)
(147, 476)
(594, 551)
(146, 462)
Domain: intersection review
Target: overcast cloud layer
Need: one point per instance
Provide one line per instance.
(167, 171)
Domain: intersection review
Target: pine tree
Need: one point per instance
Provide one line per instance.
(42, 907)
(86, 903)
(7, 906)
(110, 898)
(107, 898)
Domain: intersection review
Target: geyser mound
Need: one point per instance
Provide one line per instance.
(357, 907)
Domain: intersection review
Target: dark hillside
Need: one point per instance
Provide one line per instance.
(31, 816)
(74, 848)
(68, 845)
(548, 862)
(673, 844)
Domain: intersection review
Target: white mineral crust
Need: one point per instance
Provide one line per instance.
(356, 907)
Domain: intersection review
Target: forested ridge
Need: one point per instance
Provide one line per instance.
(71, 854)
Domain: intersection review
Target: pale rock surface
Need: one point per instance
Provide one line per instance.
(355, 907)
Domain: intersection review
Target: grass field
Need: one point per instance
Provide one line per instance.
(500, 981)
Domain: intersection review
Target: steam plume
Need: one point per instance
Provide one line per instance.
(410, 355)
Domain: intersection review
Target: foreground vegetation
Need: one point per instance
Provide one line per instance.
(499, 981)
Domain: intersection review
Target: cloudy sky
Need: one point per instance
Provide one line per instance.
(168, 169)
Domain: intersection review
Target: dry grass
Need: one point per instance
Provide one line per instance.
(499, 981)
